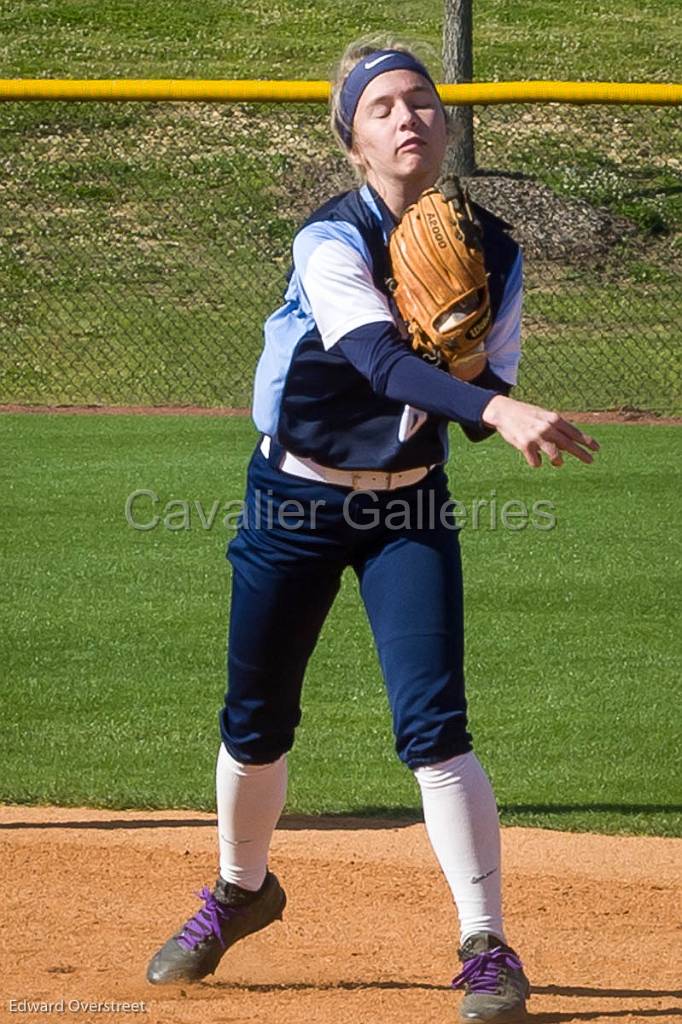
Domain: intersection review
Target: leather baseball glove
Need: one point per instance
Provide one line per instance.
(439, 281)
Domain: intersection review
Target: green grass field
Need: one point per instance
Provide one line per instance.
(639, 40)
(113, 638)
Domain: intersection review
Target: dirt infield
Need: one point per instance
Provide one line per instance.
(626, 414)
(368, 936)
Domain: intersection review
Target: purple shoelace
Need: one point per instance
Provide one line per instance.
(206, 921)
(482, 973)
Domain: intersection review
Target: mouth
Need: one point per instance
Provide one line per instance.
(411, 144)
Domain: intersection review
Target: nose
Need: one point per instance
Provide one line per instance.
(406, 115)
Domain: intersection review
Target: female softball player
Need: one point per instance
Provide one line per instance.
(350, 420)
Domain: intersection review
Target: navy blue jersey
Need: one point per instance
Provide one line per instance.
(310, 397)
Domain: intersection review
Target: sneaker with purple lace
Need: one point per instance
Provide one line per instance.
(228, 914)
(495, 986)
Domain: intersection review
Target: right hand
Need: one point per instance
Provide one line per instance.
(533, 430)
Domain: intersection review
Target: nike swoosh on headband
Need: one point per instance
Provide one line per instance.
(377, 60)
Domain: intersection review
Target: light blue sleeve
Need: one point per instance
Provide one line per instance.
(331, 289)
(503, 343)
(335, 274)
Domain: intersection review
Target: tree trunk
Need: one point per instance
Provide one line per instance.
(458, 66)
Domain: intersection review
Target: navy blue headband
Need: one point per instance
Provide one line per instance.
(365, 71)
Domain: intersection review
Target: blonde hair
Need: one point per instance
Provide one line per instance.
(354, 52)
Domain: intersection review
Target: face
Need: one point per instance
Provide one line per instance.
(399, 131)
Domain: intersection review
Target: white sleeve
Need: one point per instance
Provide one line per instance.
(334, 271)
(503, 343)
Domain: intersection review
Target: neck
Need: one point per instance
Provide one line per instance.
(398, 195)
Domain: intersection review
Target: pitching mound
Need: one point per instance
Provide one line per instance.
(368, 937)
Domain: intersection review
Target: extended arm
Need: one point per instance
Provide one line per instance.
(378, 352)
(350, 312)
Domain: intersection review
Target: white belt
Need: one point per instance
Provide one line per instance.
(356, 479)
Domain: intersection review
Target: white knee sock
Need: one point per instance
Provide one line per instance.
(461, 821)
(249, 798)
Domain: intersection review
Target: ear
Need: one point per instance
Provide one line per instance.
(355, 157)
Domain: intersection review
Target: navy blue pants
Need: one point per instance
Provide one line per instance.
(295, 539)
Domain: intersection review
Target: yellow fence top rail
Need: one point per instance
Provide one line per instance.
(208, 90)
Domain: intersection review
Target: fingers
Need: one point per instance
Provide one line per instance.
(576, 450)
(573, 441)
(531, 454)
(573, 434)
(562, 436)
(553, 451)
(553, 446)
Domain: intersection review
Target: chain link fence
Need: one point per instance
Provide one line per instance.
(142, 245)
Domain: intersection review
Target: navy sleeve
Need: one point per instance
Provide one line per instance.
(378, 352)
